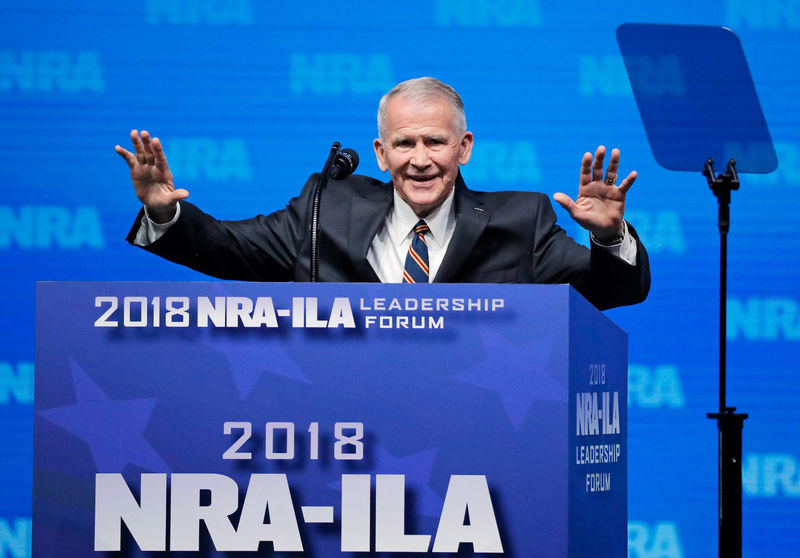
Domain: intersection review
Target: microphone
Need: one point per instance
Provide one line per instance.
(344, 165)
(340, 164)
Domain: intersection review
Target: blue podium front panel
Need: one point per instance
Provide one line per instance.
(327, 420)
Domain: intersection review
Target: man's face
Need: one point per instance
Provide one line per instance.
(422, 150)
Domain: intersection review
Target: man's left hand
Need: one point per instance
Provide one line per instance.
(600, 206)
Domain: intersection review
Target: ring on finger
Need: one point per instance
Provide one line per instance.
(610, 181)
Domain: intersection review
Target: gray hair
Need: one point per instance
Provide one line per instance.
(424, 89)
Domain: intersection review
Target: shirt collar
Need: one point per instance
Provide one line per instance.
(401, 220)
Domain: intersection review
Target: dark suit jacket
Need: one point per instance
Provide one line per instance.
(500, 237)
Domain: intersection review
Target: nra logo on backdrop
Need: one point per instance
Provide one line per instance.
(661, 231)
(50, 70)
(209, 159)
(496, 162)
(199, 12)
(43, 227)
(488, 13)
(769, 14)
(325, 73)
(763, 319)
(653, 387)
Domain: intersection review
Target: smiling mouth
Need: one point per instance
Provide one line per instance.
(422, 179)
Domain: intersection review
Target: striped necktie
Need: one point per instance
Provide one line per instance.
(416, 269)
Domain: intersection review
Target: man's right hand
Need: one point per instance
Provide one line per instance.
(151, 177)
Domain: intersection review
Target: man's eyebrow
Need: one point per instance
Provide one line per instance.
(400, 140)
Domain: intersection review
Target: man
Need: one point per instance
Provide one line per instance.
(425, 217)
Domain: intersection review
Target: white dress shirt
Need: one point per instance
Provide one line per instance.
(388, 251)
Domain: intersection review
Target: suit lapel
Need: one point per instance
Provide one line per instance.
(471, 220)
(367, 214)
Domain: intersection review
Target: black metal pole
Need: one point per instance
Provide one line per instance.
(729, 422)
(320, 185)
(723, 222)
(729, 425)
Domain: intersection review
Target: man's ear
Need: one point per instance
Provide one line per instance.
(466, 148)
(380, 154)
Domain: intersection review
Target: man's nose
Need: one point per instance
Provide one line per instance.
(420, 156)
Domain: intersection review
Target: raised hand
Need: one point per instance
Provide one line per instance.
(151, 177)
(600, 205)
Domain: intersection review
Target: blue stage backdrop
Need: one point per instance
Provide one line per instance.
(247, 96)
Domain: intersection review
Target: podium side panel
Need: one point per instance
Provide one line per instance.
(597, 434)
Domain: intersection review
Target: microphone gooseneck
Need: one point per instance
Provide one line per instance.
(340, 164)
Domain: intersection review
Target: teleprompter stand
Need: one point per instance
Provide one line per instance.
(708, 108)
(729, 422)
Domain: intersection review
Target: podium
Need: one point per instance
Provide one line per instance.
(327, 420)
